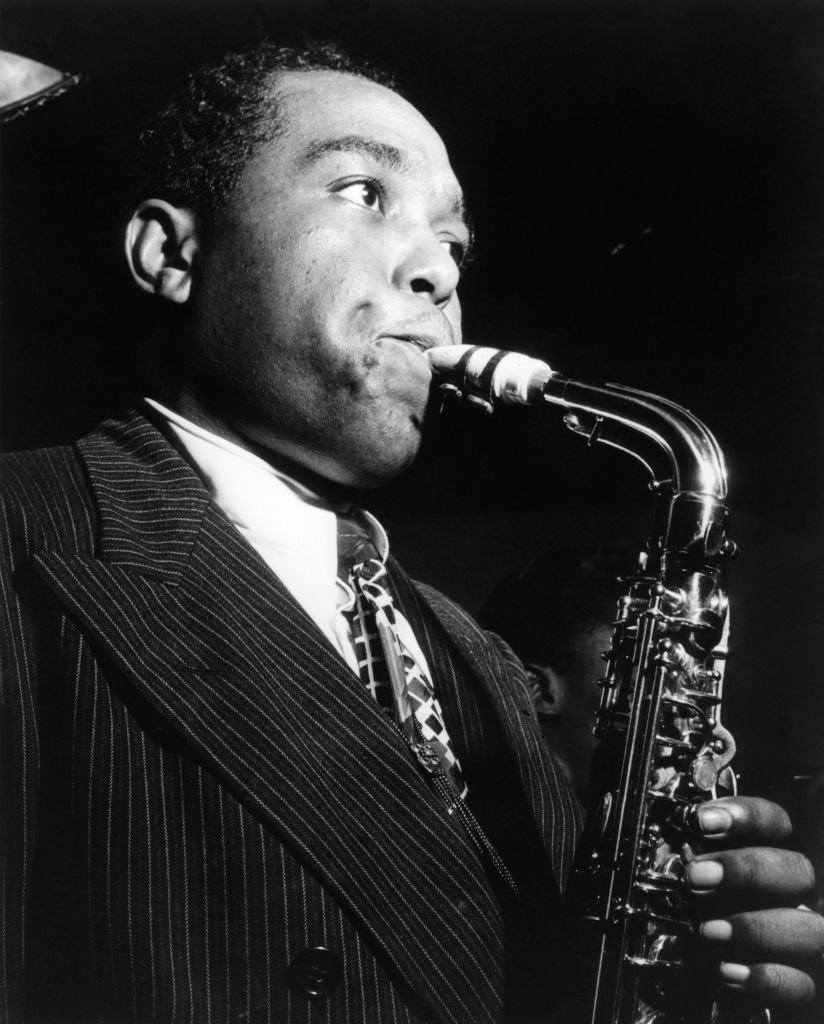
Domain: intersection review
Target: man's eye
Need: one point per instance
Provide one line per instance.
(362, 193)
(457, 250)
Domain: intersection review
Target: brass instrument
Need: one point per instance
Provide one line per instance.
(660, 710)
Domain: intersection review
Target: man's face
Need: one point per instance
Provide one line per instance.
(317, 291)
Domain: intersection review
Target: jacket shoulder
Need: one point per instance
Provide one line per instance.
(45, 500)
(447, 607)
(458, 621)
(481, 644)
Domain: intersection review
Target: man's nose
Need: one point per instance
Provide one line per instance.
(429, 270)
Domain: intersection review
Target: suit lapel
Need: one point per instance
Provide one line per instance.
(216, 646)
(554, 807)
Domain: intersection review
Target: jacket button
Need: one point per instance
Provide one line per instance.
(314, 972)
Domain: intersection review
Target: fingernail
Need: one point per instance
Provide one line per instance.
(714, 821)
(716, 931)
(735, 974)
(705, 874)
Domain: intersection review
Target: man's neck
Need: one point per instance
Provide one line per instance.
(313, 487)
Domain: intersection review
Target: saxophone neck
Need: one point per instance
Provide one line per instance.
(682, 456)
(676, 447)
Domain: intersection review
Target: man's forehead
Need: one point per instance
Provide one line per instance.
(327, 112)
(332, 91)
(381, 152)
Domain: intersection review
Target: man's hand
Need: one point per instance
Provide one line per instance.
(748, 892)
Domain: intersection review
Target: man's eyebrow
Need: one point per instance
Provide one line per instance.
(383, 152)
(457, 208)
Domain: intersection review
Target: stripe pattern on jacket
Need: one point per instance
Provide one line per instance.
(183, 853)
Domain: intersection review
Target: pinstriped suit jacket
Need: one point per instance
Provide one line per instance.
(195, 787)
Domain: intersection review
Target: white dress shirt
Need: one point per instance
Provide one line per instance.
(284, 522)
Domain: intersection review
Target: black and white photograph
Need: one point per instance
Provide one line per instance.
(412, 517)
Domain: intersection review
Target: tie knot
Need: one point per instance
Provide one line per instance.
(355, 545)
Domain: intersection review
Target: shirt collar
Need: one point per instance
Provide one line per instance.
(235, 476)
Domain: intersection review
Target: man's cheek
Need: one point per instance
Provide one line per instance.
(454, 314)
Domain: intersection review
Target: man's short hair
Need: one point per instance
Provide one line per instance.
(545, 609)
(194, 150)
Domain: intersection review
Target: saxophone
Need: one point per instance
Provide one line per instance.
(664, 750)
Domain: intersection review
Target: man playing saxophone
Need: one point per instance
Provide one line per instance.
(222, 798)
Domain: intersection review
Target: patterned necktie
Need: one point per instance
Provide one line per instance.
(389, 670)
(400, 683)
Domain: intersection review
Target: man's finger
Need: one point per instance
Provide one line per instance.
(737, 819)
(752, 877)
(769, 984)
(790, 936)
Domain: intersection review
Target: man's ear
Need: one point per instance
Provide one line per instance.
(556, 691)
(161, 244)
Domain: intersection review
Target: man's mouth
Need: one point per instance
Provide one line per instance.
(421, 342)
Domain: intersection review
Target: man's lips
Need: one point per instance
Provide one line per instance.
(422, 342)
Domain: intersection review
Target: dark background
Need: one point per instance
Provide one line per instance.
(646, 183)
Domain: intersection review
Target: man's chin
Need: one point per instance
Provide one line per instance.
(378, 473)
(378, 465)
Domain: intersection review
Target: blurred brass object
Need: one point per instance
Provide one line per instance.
(26, 85)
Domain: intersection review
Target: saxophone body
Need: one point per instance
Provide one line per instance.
(664, 750)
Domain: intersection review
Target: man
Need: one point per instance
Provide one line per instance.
(557, 613)
(208, 816)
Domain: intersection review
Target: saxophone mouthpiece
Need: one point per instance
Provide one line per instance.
(485, 377)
